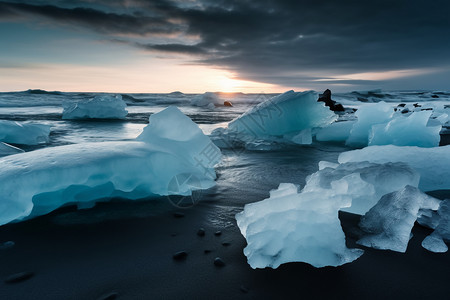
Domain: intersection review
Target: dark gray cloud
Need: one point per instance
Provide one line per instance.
(274, 41)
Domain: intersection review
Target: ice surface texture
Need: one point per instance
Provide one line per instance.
(377, 124)
(388, 224)
(6, 149)
(287, 118)
(23, 133)
(99, 107)
(291, 226)
(435, 241)
(433, 164)
(37, 182)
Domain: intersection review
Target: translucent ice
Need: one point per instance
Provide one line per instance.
(335, 132)
(6, 149)
(23, 133)
(99, 107)
(289, 112)
(388, 224)
(291, 226)
(377, 124)
(433, 164)
(435, 241)
(406, 131)
(368, 115)
(172, 157)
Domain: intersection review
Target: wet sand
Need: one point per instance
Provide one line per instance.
(131, 258)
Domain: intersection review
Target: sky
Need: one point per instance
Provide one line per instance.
(196, 46)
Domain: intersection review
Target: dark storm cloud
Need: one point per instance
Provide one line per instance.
(277, 41)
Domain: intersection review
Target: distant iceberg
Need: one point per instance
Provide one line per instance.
(99, 107)
(208, 99)
(37, 182)
(23, 133)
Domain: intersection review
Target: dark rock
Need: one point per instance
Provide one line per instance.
(173, 235)
(201, 232)
(434, 96)
(401, 105)
(227, 103)
(244, 289)
(226, 244)
(417, 105)
(108, 296)
(326, 97)
(178, 215)
(217, 233)
(206, 251)
(218, 262)
(181, 255)
(405, 111)
(19, 277)
(426, 109)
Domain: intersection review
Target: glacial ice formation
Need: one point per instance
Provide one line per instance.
(171, 145)
(23, 133)
(335, 132)
(6, 149)
(433, 164)
(377, 124)
(287, 113)
(290, 226)
(304, 226)
(435, 241)
(99, 107)
(388, 224)
(208, 99)
(285, 119)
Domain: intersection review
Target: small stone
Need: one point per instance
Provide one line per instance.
(226, 244)
(401, 105)
(217, 233)
(108, 296)
(244, 289)
(181, 255)
(405, 111)
(7, 245)
(417, 105)
(178, 215)
(218, 262)
(201, 232)
(206, 251)
(19, 277)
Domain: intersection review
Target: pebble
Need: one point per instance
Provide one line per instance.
(226, 244)
(201, 232)
(206, 251)
(18, 277)
(181, 255)
(217, 233)
(218, 262)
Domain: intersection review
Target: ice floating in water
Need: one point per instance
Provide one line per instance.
(99, 107)
(291, 226)
(378, 125)
(388, 224)
(23, 133)
(171, 147)
(207, 99)
(6, 149)
(287, 118)
(435, 241)
(433, 164)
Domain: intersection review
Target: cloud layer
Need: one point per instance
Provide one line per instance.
(293, 43)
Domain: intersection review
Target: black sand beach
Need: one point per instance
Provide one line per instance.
(132, 258)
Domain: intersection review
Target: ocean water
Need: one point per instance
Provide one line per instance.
(243, 176)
